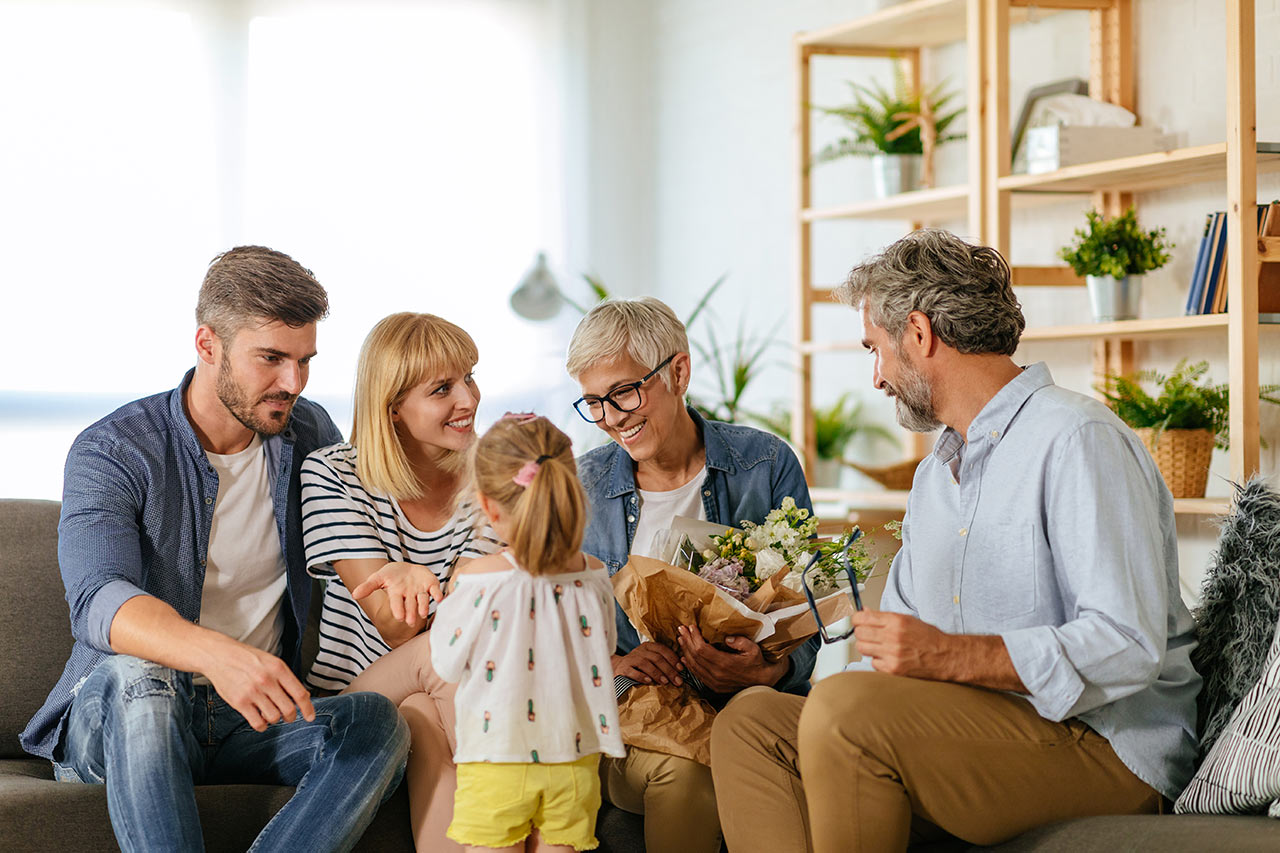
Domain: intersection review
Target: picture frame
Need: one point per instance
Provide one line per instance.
(1071, 86)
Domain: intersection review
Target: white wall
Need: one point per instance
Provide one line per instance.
(711, 164)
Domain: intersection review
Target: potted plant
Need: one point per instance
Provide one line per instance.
(834, 427)
(1111, 254)
(898, 129)
(1181, 425)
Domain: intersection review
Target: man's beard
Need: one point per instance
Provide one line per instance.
(241, 408)
(913, 399)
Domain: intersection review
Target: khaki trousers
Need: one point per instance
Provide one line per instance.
(405, 676)
(871, 762)
(675, 795)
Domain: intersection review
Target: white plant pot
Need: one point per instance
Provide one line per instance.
(826, 473)
(895, 173)
(1114, 298)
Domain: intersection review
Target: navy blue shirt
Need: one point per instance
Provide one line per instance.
(749, 472)
(137, 506)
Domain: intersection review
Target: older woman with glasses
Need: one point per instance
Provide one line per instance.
(631, 360)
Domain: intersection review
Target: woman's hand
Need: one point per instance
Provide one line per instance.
(649, 663)
(410, 590)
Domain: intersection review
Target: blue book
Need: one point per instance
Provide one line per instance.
(1217, 255)
(1197, 272)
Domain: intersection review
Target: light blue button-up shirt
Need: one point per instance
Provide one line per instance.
(1051, 527)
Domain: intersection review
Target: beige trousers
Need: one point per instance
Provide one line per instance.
(405, 676)
(871, 762)
(675, 795)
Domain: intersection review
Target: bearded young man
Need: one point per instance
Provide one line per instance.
(1031, 660)
(180, 548)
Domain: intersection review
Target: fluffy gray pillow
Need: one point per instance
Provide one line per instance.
(1239, 606)
(1241, 773)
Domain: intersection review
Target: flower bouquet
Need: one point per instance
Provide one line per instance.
(738, 581)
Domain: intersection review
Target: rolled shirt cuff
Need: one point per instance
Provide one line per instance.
(1041, 662)
(102, 612)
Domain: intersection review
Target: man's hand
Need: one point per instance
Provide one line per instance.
(410, 590)
(904, 645)
(257, 684)
(727, 672)
(649, 663)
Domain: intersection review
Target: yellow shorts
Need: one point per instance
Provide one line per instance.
(498, 805)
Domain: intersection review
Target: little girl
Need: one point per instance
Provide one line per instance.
(528, 633)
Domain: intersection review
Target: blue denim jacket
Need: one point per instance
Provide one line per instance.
(137, 506)
(749, 472)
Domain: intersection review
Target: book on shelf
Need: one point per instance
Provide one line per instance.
(1207, 293)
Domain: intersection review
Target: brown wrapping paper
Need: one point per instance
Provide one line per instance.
(658, 599)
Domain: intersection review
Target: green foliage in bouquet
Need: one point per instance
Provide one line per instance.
(740, 560)
(1183, 401)
(1116, 247)
(876, 113)
(834, 426)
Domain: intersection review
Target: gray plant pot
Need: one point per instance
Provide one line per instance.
(1114, 298)
(826, 473)
(895, 173)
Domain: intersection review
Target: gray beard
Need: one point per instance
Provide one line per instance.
(913, 401)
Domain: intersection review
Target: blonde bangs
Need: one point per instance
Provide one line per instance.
(401, 352)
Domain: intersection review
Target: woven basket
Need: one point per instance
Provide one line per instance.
(1182, 455)
(896, 477)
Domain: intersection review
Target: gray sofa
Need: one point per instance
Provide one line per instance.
(39, 814)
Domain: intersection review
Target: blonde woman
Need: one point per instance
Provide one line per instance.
(382, 523)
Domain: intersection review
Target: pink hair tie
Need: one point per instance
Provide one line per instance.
(526, 474)
(528, 471)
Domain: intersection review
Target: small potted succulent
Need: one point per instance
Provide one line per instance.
(1182, 424)
(898, 129)
(1112, 254)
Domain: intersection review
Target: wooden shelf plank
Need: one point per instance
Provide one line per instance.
(1166, 327)
(1045, 277)
(1141, 172)
(881, 500)
(935, 205)
(894, 501)
(918, 23)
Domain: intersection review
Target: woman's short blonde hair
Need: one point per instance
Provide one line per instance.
(401, 352)
(645, 329)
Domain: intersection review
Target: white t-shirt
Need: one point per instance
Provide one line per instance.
(244, 575)
(657, 509)
(532, 658)
(341, 520)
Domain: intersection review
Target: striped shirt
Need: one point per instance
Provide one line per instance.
(342, 520)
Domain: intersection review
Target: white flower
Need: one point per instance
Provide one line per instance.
(768, 563)
(709, 554)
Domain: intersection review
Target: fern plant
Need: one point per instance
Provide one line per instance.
(876, 112)
(1116, 247)
(1182, 401)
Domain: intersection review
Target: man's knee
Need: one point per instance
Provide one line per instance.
(861, 707)
(738, 719)
(128, 681)
(371, 722)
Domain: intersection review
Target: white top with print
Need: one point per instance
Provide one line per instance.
(532, 658)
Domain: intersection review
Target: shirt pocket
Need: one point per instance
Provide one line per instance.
(1001, 575)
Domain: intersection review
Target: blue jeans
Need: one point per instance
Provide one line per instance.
(151, 736)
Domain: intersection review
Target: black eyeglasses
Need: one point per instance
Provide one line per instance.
(843, 557)
(624, 398)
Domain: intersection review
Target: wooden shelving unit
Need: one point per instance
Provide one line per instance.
(991, 193)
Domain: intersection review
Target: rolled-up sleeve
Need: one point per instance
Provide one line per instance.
(1114, 578)
(99, 549)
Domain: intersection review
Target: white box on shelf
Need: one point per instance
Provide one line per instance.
(1056, 147)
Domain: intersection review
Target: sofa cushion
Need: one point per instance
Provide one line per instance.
(1239, 606)
(35, 623)
(1241, 773)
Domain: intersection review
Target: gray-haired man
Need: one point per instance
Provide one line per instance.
(1031, 659)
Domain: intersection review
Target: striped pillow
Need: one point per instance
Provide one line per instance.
(1241, 773)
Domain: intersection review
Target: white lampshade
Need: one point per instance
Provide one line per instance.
(537, 297)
